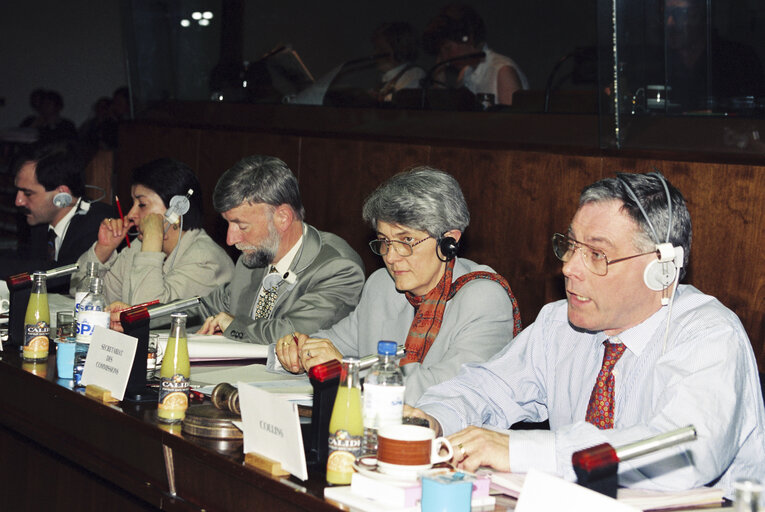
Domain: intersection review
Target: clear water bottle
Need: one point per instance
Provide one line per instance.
(383, 394)
(91, 271)
(90, 314)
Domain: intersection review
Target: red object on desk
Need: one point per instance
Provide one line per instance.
(595, 457)
(325, 371)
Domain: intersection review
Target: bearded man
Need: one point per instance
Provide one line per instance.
(290, 277)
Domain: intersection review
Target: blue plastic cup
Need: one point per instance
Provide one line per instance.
(65, 359)
(446, 493)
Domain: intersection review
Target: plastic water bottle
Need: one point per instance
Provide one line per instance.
(91, 271)
(383, 394)
(90, 315)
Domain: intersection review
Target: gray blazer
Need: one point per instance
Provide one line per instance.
(478, 323)
(330, 276)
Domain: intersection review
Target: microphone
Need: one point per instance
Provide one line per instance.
(428, 78)
(160, 310)
(62, 271)
(330, 369)
(596, 467)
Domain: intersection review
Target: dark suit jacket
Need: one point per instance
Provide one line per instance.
(82, 232)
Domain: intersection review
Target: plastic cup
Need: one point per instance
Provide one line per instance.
(65, 359)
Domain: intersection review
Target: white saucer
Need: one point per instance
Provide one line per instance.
(367, 465)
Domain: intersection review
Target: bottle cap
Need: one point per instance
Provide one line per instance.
(180, 314)
(387, 348)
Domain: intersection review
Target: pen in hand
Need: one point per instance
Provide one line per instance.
(122, 217)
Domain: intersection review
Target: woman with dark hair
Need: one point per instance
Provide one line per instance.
(172, 258)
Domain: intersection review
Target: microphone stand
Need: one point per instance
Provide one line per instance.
(428, 79)
(136, 323)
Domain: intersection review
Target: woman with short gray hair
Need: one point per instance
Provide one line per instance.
(445, 310)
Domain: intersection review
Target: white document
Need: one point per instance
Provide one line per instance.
(109, 361)
(209, 347)
(542, 492)
(272, 429)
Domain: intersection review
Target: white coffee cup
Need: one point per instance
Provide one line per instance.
(409, 449)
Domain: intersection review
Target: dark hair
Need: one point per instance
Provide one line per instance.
(400, 37)
(456, 22)
(56, 164)
(258, 179)
(168, 177)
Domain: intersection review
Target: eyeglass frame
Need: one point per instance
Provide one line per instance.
(387, 242)
(578, 247)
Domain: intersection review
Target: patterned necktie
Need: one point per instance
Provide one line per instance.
(266, 300)
(600, 410)
(51, 245)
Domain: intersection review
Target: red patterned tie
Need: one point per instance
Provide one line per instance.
(600, 410)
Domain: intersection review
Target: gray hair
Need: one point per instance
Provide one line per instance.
(649, 190)
(258, 179)
(422, 198)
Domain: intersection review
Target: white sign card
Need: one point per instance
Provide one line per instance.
(109, 361)
(542, 491)
(272, 428)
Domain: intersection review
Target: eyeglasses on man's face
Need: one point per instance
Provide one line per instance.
(595, 260)
(381, 246)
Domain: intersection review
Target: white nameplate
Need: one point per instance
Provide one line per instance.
(547, 492)
(110, 359)
(272, 428)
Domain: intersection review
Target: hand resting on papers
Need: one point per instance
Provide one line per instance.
(474, 447)
(298, 353)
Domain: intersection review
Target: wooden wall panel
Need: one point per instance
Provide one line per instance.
(517, 200)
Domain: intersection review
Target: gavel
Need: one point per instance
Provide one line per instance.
(226, 398)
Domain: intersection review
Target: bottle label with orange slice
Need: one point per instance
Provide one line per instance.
(36, 340)
(173, 398)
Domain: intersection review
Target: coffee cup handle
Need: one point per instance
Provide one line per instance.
(438, 443)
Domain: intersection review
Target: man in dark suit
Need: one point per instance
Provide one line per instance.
(49, 183)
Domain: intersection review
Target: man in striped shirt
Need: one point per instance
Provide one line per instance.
(628, 354)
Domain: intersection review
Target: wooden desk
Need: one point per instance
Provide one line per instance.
(64, 451)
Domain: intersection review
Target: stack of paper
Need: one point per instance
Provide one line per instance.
(206, 347)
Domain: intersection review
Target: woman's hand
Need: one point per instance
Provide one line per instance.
(111, 232)
(115, 308)
(152, 232)
(298, 353)
(287, 350)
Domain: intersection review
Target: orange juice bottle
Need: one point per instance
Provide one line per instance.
(346, 426)
(174, 374)
(37, 321)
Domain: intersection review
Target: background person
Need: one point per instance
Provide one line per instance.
(167, 261)
(398, 42)
(446, 310)
(49, 192)
(290, 276)
(459, 31)
(610, 365)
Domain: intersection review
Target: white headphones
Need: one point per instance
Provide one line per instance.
(62, 199)
(662, 272)
(179, 205)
